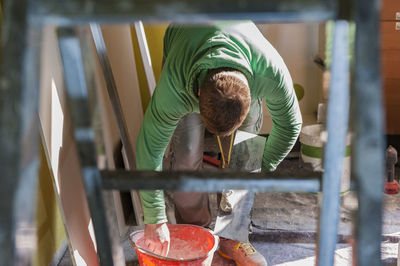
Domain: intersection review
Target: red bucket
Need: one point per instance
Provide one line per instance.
(190, 245)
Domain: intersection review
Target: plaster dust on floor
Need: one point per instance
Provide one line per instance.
(285, 227)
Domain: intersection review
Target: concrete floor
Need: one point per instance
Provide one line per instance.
(285, 226)
(284, 230)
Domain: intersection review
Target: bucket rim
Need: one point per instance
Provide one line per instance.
(212, 251)
(312, 135)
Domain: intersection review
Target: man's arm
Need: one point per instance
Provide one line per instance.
(286, 117)
(161, 118)
(165, 109)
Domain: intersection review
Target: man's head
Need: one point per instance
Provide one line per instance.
(224, 100)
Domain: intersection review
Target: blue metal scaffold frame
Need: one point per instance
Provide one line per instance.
(21, 36)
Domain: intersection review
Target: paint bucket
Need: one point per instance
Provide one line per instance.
(190, 245)
(312, 145)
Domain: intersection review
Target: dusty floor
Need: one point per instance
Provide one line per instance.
(284, 229)
(285, 226)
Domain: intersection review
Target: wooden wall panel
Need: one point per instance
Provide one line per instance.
(390, 34)
(389, 9)
(393, 122)
(391, 64)
(390, 61)
(392, 90)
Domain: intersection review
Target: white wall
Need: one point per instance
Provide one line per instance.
(62, 152)
(57, 129)
(298, 44)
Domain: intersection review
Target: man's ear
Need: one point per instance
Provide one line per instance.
(198, 92)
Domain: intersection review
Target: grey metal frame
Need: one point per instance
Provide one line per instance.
(189, 11)
(19, 161)
(337, 123)
(369, 144)
(19, 122)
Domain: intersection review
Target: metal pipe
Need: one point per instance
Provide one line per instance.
(145, 54)
(117, 110)
(337, 123)
(369, 144)
(67, 13)
(113, 93)
(19, 160)
(209, 181)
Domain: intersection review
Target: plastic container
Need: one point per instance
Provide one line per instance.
(190, 245)
(312, 145)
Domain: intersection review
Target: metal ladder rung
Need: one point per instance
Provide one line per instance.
(72, 13)
(211, 181)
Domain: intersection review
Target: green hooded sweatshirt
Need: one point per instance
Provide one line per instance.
(189, 52)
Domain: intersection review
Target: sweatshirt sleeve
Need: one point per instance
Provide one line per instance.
(286, 117)
(165, 109)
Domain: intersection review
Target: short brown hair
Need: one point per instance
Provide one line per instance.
(224, 100)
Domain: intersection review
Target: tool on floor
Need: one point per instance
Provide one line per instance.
(391, 185)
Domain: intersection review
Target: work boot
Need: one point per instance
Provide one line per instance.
(244, 254)
(218, 260)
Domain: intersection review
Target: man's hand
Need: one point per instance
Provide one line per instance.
(156, 238)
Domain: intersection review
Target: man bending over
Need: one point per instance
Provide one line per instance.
(214, 76)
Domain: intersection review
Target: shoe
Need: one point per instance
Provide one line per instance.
(218, 260)
(244, 254)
